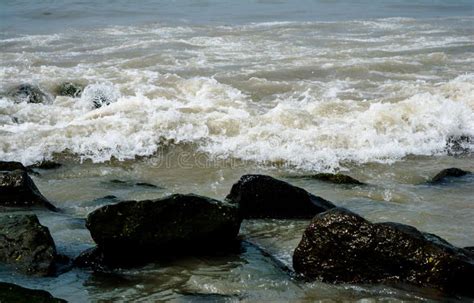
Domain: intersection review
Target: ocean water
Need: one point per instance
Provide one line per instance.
(202, 92)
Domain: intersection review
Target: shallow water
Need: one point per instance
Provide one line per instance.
(204, 92)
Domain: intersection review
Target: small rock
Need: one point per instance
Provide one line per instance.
(341, 247)
(18, 190)
(46, 164)
(449, 173)
(260, 196)
(335, 178)
(134, 232)
(26, 245)
(69, 89)
(144, 184)
(15, 293)
(459, 145)
(28, 93)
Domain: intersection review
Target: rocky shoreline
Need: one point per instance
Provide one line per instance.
(338, 246)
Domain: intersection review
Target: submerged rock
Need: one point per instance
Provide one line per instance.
(14, 293)
(449, 173)
(134, 232)
(132, 183)
(17, 189)
(260, 196)
(46, 164)
(28, 93)
(335, 178)
(69, 89)
(99, 95)
(26, 245)
(341, 247)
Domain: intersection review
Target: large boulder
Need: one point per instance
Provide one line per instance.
(26, 245)
(341, 247)
(260, 196)
(28, 93)
(14, 293)
(449, 173)
(133, 232)
(17, 189)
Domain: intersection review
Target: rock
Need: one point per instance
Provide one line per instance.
(17, 189)
(132, 232)
(26, 245)
(14, 293)
(93, 258)
(260, 196)
(459, 145)
(470, 248)
(448, 173)
(46, 164)
(122, 183)
(144, 184)
(341, 247)
(335, 178)
(69, 89)
(28, 93)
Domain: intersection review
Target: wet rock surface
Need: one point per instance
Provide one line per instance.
(46, 164)
(260, 196)
(459, 145)
(26, 245)
(341, 247)
(15, 293)
(447, 174)
(18, 190)
(28, 93)
(134, 232)
(69, 89)
(335, 179)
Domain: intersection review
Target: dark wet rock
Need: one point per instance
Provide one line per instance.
(28, 93)
(133, 232)
(108, 198)
(46, 164)
(459, 145)
(445, 174)
(93, 258)
(69, 89)
(17, 189)
(260, 196)
(132, 183)
(117, 181)
(334, 178)
(341, 247)
(470, 248)
(15, 293)
(144, 184)
(26, 245)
